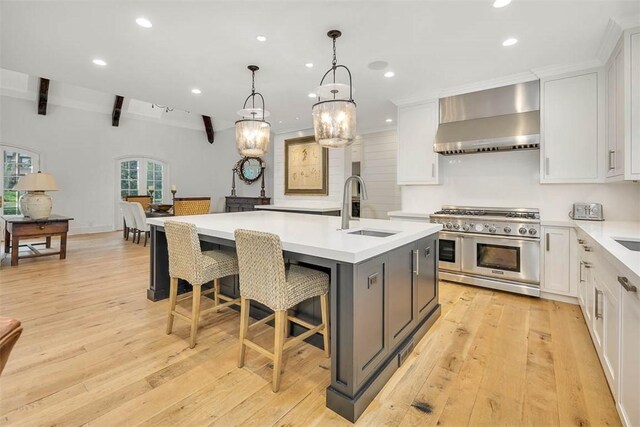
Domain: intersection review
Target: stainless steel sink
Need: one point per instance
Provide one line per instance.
(632, 245)
(373, 233)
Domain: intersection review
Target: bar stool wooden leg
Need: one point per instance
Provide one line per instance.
(195, 313)
(216, 292)
(324, 308)
(173, 296)
(278, 347)
(244, 327)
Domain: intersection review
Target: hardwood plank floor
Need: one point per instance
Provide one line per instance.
(94, 351)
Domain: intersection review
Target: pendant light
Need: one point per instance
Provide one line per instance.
(334, 119)
(253, 132)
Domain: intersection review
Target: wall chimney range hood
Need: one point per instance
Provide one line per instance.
(504, 118)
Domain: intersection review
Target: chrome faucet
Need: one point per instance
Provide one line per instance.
(346, 197)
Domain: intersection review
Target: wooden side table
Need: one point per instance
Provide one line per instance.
(19, 227)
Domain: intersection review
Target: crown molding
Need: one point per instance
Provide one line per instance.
(466, 88)
(556, 70)
(629, 21)
(610, 39)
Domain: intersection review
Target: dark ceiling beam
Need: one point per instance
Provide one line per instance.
(208, 126)
(43, 96)
(117, 110)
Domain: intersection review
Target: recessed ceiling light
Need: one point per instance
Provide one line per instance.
(297, 118)
(309, 65)
(312, 95)
(144, 22)
(389, 120)
(509, 42)
(196, 91)
(100, 62)
(389, 74)
(279, 121)
(261, 38)
(378, 65)
(501, 3)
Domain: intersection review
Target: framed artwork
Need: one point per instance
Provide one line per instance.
(306, 167)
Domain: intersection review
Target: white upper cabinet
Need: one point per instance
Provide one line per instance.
(615, 115)
(632, 107)
(417, 162)
(572, 128)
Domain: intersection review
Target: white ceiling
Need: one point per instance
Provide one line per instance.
(428, 44)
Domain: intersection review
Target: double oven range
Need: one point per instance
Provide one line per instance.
(497, 248)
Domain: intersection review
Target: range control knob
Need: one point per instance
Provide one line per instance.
(448, 225)
(479, 227)
(492, 229)
(522, 230)
(533, 231)
(507, 229)
(465, 227)
(456, 226)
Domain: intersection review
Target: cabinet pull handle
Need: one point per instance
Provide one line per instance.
(546, 165)
(580, 273)
(587, 248)
(597, 313)
(417, 254)
(626, 285)
(580, 242)
(547, 241)
(611, 156)
(587, 265)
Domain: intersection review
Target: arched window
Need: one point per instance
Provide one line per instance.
(139, 175)
(16, 162)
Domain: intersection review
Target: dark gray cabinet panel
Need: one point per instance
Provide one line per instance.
(369, 317)
(424, 275)
(400, 295)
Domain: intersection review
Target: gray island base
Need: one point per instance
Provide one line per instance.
(383, 294)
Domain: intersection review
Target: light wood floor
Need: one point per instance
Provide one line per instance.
(94, 351)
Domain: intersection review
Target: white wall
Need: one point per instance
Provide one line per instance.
(512, 179)
(377, 153)
(80, 148)
(339, 170)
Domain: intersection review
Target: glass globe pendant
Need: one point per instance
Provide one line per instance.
(253, 132)
(334, 119)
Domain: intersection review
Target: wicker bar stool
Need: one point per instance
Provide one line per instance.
(188, 262)
(263, 278)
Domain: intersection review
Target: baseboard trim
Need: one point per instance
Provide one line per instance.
(90, 230)
(557, 297)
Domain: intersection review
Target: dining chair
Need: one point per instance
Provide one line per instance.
(264, 278)
(141, 221)
(129, 220)
(144, 200)
(188, 262)
(10, 330)
(191, 206)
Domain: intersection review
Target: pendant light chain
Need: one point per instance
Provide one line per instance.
(253, 91)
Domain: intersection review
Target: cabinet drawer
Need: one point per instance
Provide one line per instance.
(38, 229)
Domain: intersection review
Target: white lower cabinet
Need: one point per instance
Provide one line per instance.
(556, 258)
(612, 315)
(629, 395)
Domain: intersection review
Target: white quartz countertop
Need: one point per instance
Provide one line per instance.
(605, 234)
(404, 214)
(298, 208)
(313, 235)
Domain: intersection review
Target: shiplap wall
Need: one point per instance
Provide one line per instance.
(339, 170)
(377, 153)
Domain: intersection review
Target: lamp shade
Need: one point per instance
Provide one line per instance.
(36, 182)
(252, 137)
(334, 123)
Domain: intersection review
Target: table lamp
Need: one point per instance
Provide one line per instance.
(36, 204)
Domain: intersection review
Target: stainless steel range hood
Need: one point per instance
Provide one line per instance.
(504, 118)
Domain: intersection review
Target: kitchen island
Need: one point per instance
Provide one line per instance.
(383, 293)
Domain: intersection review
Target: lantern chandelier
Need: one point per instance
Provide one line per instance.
(253, 132)
(334, 119)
